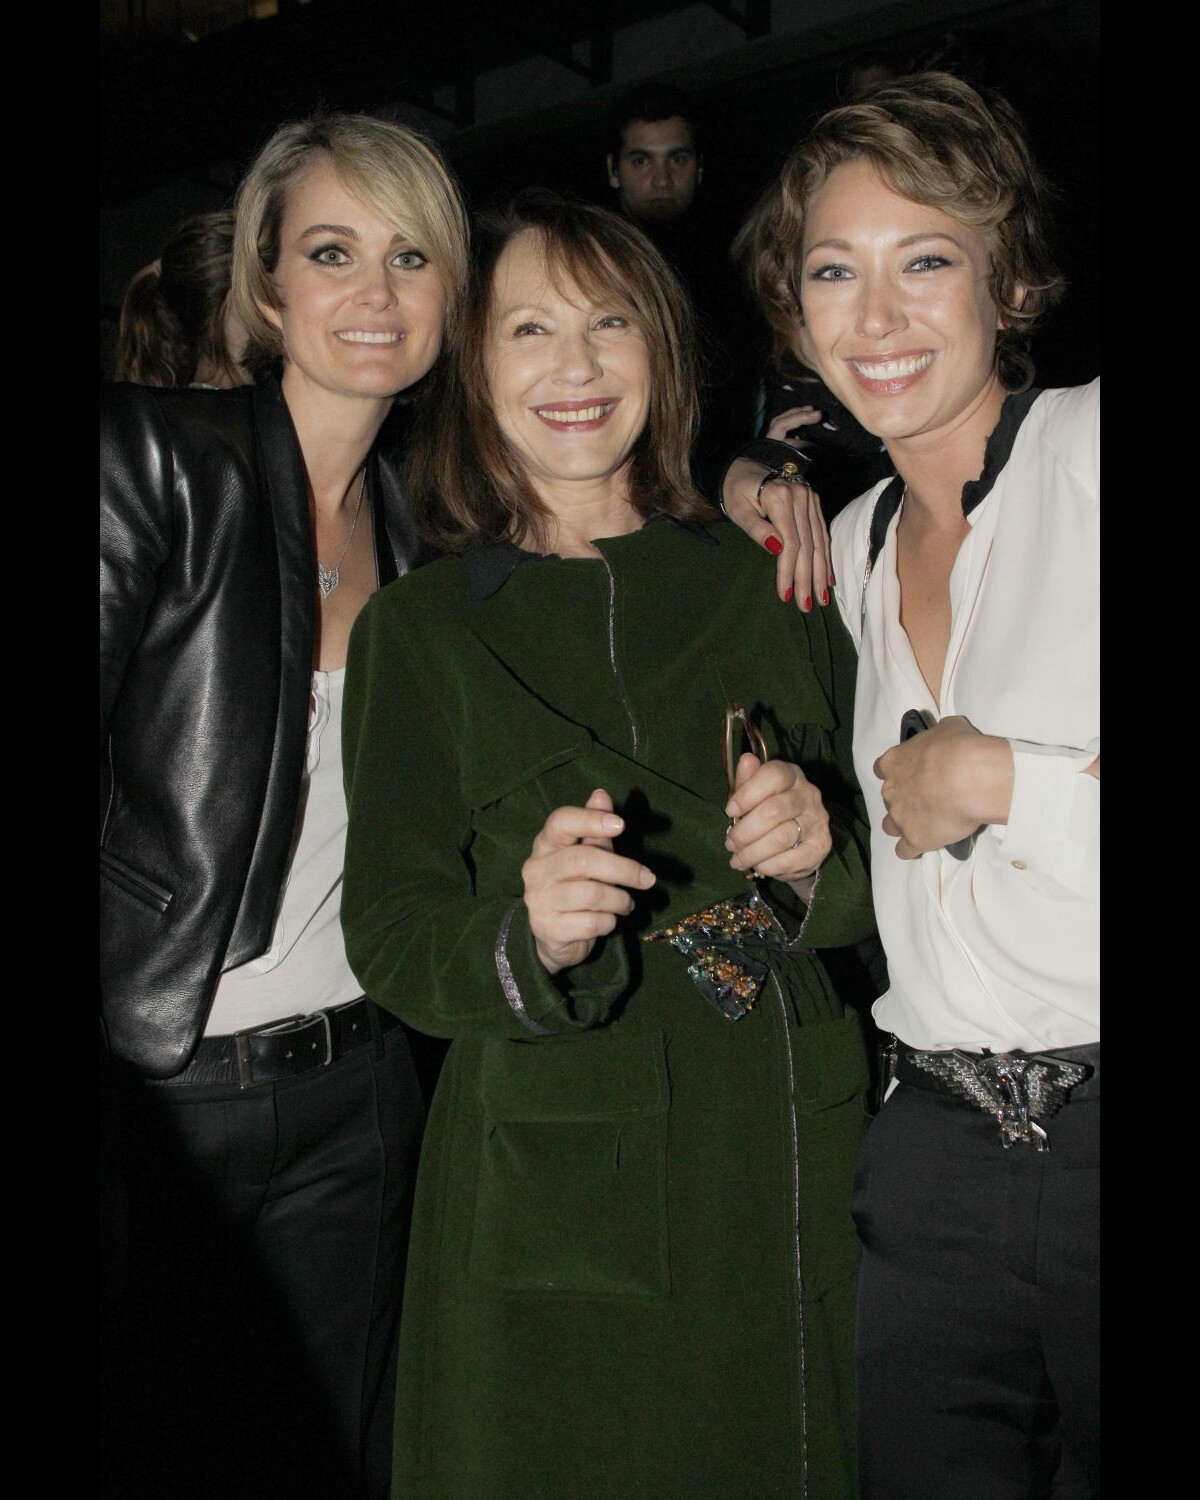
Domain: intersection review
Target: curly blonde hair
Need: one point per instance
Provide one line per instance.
(936, 140)
(759, 252)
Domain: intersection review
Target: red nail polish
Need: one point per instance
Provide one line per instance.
(787, 598)
(807, 602)
(773, 545)
(824, 596)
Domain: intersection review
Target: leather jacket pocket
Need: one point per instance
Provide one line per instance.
(135, 882)
(571, 1194)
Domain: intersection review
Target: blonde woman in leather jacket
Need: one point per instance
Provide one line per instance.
(265, 1117)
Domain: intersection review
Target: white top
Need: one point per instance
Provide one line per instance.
(1000, 950)
(305, 967)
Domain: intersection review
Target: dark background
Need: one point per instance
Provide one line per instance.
(180, 119)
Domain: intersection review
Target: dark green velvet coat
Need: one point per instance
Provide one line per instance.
(632, 1265)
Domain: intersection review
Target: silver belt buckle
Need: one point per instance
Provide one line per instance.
(245, 1059)
(1016, 1089)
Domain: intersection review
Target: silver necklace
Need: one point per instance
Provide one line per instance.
(329, 578)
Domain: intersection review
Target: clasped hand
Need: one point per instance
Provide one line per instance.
(781, 828)
(576, 886)
(939, 786)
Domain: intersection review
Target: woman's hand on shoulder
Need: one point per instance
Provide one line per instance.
(784, 518)
(780, 827)
(576, 886)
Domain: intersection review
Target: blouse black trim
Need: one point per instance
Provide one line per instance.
(975, 491)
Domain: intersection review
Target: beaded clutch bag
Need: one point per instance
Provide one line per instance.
(721, 938)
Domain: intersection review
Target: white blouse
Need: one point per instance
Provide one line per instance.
(1000, 950)
(305, 967)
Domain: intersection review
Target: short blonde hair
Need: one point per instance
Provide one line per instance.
(397, 173)
(935, 140)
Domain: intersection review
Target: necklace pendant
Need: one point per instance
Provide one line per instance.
(329, 578)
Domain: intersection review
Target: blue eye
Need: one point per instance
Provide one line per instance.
(830, 273)
(929, 263)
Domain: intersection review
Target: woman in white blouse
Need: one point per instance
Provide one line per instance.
(915, 245)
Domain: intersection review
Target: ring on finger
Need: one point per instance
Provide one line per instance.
(790, 473)
(799, 839)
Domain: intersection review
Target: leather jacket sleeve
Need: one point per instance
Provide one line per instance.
(207, 617)
(203, 699)
(135, 532)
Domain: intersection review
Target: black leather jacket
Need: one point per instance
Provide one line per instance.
(207, 606)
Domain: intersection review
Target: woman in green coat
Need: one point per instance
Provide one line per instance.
(632, 1258)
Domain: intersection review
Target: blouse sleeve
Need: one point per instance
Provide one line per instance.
(1053, 828)
(420, 939)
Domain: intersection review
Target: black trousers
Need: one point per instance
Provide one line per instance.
(255, 1272)
(978, 1314)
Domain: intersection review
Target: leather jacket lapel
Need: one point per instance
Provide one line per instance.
(285, 479)
(282, 467)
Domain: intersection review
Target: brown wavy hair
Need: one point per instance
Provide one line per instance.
(172, 314)
(937, 141)
(466, 485)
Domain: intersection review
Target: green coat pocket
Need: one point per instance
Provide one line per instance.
(571, 1194)
(830, 1082)
(831, 1064)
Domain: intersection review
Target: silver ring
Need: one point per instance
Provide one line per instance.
(799, 834)
(790, 473)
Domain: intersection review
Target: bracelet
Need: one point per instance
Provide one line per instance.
(775, 454)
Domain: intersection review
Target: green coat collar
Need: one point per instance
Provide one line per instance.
(490, 565)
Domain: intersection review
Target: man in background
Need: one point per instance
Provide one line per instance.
(656, 167)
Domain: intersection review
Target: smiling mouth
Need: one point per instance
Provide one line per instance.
(575, 416)
(369, 336)
(891, 369)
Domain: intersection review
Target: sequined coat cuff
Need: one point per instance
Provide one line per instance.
(575, 999)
